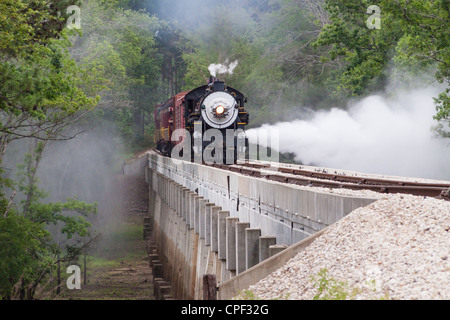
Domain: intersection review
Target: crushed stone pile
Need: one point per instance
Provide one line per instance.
(396, 248)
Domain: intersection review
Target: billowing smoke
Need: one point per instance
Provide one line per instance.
(225, 68)
(375, 135)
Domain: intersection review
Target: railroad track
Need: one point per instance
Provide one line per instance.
(323, 179)
(333, 180)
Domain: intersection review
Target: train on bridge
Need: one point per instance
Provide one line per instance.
(208, 120)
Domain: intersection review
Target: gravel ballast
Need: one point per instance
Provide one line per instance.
(396, 248)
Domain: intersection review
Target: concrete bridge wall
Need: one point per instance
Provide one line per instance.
(211, 221)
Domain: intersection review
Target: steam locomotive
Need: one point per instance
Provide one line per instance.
(206, 124)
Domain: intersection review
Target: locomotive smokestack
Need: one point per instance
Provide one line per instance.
(218, 85)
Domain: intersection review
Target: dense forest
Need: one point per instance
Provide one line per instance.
(73, 72)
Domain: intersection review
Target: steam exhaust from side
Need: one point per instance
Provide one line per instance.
(392, 136)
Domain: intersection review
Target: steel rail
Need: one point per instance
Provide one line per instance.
(330, 180)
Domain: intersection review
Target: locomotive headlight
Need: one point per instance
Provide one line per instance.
(220, 110)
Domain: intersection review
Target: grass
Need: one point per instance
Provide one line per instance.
(331, 289)
(120, 242)
(117, 269)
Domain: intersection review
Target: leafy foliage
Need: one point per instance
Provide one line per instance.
(119, 44)
(43, 91)
(413, 34)
(22, 251)
(25, 231)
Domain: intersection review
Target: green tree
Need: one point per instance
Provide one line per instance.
(43, 91)
(26, 25)
(365, 51)
(224, 35)
(30, 252)
(290, 68)
(426, 41)
(120, 45)
(413, 34)
(22, 253)
(41, 86)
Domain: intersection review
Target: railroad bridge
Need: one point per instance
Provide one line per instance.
(210, 225)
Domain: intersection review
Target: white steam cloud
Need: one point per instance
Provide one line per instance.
(226, 68)
(376, 135)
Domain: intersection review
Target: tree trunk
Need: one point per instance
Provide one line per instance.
(58, 279)
(85, 271)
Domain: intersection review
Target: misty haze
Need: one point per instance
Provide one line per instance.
(92, 91)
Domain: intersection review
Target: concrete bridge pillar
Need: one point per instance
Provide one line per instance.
(190, 213)
(214, 228)
(197, 213)
(161, 187)
(207, 223)
(240, 246)
(166, 191)
(183, 200)
(231, 242)
(180, 198)
(177, 198)
(171, 194)
(252, 247)
(222, 236)
(202, 217)
(276, 249)
(264, 244)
